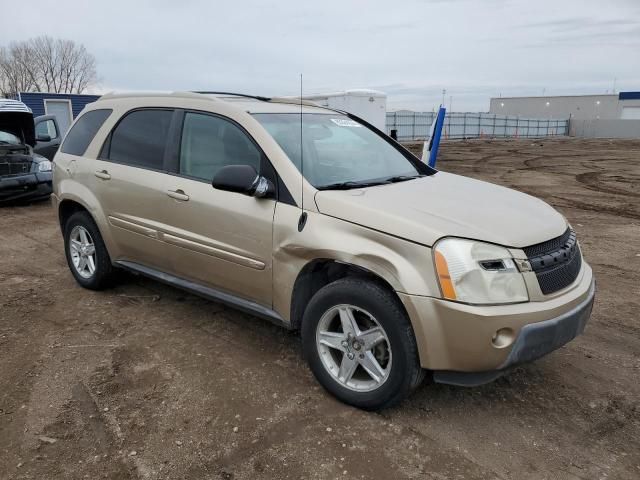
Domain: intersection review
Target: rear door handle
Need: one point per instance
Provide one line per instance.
(178, 195)
(103, 174)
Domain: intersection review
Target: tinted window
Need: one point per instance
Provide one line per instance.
(139, 139)
(48, 127)
(210, 143)
(83, 131)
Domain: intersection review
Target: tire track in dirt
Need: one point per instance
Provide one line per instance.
(616, 211)
(593, 181)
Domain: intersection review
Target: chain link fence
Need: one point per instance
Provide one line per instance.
(415, 126)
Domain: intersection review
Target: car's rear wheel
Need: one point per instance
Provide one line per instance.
(86, 253)
(360, 344)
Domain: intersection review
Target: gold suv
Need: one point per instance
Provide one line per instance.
(317, 221)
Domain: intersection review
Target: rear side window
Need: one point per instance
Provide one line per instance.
(83, 131)
(139, 139)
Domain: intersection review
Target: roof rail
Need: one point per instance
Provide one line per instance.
(114, 95)
(256, 97)
(295, 101)
(211, 96)
(288, 100)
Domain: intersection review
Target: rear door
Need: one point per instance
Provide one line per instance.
(130, 181)
(219, 238)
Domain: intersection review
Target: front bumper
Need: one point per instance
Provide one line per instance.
(457, 340)
(30, 186)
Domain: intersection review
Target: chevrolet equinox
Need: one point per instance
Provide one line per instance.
(314, 219)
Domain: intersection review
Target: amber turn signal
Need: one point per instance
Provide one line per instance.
(448, 291)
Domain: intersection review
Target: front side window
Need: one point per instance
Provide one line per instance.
(209, 143)
(46, 129)
(139, 139)
(83, 131)
(337, 149)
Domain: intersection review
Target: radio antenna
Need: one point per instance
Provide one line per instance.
(303, 215)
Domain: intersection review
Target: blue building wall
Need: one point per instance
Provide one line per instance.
(35, 101)
(629, 96)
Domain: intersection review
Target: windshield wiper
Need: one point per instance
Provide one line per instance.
(403, 178)
(350, 185)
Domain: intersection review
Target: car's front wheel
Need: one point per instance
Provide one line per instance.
(86, 252)
(360, 345)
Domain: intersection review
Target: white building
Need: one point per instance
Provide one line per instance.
(625, 105)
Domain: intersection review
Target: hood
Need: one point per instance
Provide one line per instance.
(20, 124)
(429, 208)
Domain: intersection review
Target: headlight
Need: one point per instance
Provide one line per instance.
(478, 273)
(44, 166)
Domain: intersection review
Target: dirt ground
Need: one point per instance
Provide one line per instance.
(145, 381)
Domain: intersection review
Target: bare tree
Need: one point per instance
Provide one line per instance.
(15, 68)
(45, 64)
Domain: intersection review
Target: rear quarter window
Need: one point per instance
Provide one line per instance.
(83, 131)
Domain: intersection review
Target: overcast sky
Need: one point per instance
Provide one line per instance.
(410, 49)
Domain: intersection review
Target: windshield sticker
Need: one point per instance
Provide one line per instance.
(343, 122)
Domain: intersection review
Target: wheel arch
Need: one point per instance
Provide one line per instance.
(72, 202)
(68, 207)
(322, 271)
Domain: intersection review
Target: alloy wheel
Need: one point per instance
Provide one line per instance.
(83, 251)
(354, 348)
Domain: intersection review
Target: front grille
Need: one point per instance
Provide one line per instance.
(549, 245)
(14, 168)
(555, 262)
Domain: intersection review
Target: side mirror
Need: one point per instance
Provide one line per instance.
(243, 179)
(42, 137)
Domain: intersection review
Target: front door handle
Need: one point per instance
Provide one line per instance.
(178, 195)
(103, 174)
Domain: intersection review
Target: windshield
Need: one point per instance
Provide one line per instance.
(338, 152)
(10, 138)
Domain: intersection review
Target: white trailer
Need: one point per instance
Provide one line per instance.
(370, 105)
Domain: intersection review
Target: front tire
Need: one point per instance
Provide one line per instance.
(360, 345)
(86, 252)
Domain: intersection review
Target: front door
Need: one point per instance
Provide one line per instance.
(47, 136)
(219, 238)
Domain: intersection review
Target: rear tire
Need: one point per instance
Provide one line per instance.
(387, 372)
(86, 252)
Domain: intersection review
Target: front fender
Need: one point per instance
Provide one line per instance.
(404, 265)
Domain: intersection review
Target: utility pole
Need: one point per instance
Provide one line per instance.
(444, 92)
